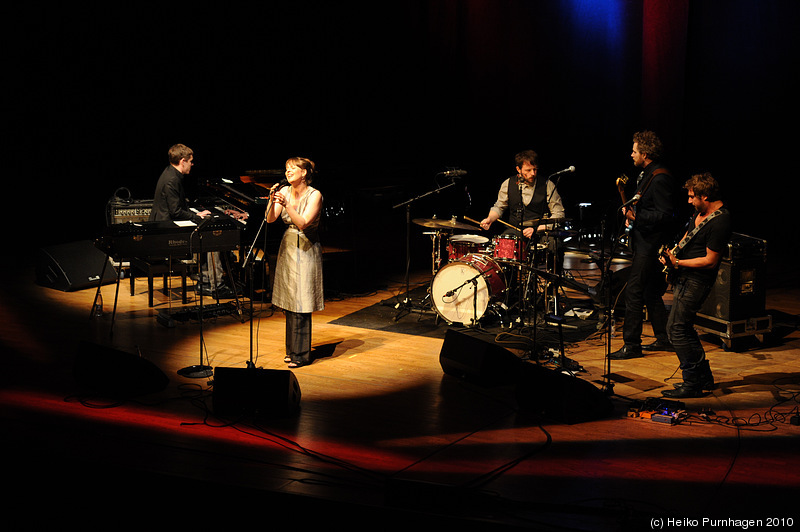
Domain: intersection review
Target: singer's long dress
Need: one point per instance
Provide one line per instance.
(298, 271)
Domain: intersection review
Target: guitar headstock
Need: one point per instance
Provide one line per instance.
(622, 180)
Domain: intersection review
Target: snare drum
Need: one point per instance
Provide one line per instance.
(463, 289)
(462, 245)
(510, 247)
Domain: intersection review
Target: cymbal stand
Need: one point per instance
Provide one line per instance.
(405, 306)
(436, 251)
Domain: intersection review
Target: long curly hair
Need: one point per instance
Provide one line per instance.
(649, 143)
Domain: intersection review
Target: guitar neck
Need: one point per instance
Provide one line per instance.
(621, 182)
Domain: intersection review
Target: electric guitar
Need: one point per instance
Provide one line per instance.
(670, 271)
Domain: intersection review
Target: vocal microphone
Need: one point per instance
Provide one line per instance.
(564, 171)
(282, 183)
(454, 173)
(634, 199)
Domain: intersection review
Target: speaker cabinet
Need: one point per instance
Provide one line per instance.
(560, 396)
(255, 392)
(116, 374)
(476, 360)
(739, 291)
(73, 266)
(547, 392)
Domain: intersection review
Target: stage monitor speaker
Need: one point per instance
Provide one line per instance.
(739, 292)
(72, 266)
(560, 396)
(256, 392)
(113, 373)
(477, 360)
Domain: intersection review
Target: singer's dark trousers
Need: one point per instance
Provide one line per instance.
(298, 337)
(645, 288)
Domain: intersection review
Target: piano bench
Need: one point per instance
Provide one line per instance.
(153, 266)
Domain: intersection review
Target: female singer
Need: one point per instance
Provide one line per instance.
(297, 285)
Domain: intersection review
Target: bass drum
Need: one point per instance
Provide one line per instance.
(453, 289)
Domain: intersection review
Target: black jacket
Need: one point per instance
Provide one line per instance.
(656, 209)
(169, 202)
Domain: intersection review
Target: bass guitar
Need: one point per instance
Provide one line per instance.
(621, 182)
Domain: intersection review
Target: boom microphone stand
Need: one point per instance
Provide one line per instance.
(405, 306)
(247, 265)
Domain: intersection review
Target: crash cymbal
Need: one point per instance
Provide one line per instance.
(441, 224)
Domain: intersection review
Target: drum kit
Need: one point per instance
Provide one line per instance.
(506, 276)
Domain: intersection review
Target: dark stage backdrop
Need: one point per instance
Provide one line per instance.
(384, 95)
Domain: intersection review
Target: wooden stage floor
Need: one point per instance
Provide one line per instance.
(383, 437)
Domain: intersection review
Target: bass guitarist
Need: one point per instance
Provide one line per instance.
(652, 223)
(697, 261)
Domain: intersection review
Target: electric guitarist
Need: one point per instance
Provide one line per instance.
(697, 260)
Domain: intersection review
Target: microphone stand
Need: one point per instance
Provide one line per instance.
(199, 371)
(474, 281)
(605, 280)
(247, 265)
(405, 305)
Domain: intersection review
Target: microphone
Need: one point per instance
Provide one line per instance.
(454, 173)
(634, 199)
(564, 171)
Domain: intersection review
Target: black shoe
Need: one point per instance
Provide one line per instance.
(627, 352)
(224, 292)
(658, 345)
(683, 392)
(705, 385)
(221, 292)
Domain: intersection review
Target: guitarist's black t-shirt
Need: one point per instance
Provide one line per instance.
(714, 235)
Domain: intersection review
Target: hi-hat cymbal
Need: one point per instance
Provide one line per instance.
(441, 224)
(544, 221)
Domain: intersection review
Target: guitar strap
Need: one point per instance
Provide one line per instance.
(654, 174)
(694, 231)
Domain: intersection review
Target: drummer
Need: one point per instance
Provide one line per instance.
(527, 199)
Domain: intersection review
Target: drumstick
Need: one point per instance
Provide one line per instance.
(543, 221)
(501, 221)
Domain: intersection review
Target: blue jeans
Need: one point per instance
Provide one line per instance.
(688, 298)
